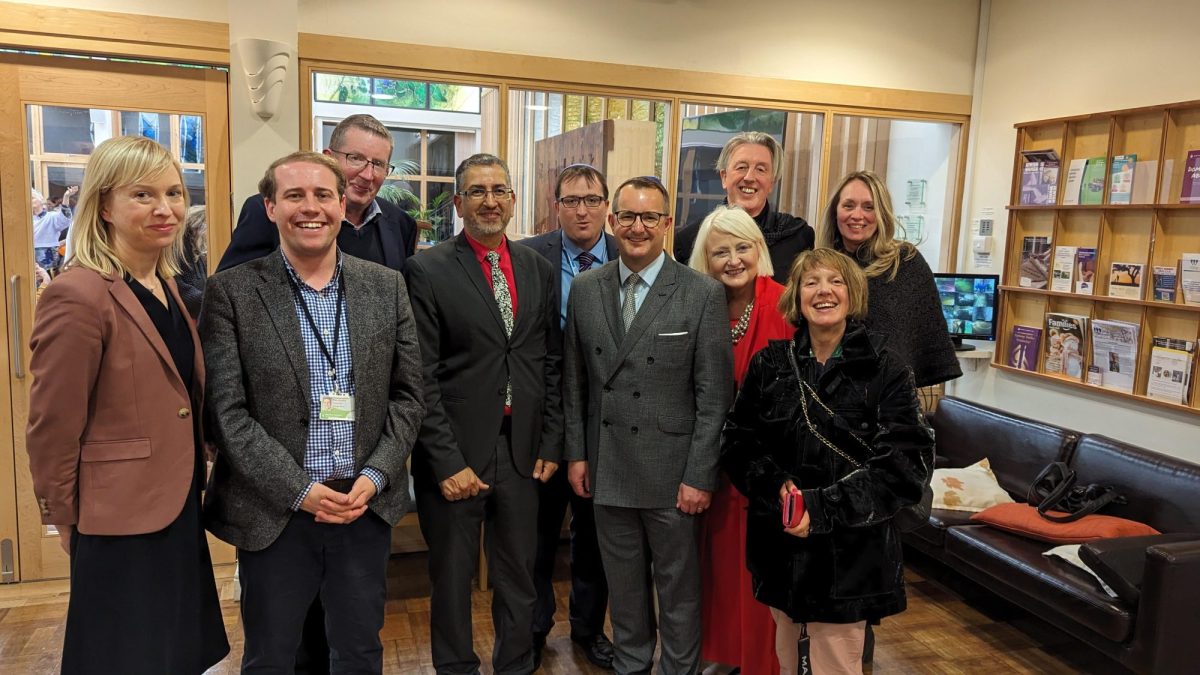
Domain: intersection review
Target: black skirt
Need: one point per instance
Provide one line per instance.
(145, 603)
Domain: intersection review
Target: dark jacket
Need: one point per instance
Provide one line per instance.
(255, 235)
(908, 311)
(787, 236)
(849, 567)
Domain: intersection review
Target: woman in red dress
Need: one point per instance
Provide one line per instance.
(736, 629)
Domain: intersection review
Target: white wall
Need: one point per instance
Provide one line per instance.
(1053, 59)
(926, 45)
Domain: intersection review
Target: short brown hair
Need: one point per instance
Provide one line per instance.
(643, 183)
(267, 185)
(852, 274)
(364, 122)
(585, 171)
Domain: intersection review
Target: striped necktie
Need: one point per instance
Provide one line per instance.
(586, 260)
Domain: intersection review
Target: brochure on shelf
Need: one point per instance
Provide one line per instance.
(1114, 353)
(1064, 268)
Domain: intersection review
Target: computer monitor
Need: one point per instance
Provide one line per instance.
(969, 306)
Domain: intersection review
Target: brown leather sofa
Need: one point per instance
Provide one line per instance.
(1161, 633)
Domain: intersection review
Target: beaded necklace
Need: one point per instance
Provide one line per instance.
(739, 329)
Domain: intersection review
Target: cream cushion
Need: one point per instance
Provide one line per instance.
(973, 488)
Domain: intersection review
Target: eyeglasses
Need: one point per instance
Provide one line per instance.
(477, 194)
(590, 201)
(650, 219)
(357, 161)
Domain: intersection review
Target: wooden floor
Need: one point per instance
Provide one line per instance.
(940, 632)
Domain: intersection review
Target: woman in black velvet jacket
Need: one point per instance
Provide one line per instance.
(840, 566)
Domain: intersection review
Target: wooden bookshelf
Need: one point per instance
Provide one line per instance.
(1154, 230)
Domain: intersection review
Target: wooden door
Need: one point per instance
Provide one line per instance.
(53, 111)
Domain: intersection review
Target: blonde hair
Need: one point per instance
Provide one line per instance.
(851, 273)
(882, 253)
(116, 163)
(734, 221)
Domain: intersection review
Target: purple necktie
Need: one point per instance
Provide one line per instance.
(586, 260)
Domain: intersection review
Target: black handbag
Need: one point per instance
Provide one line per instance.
(1054, 489)
(908, 518)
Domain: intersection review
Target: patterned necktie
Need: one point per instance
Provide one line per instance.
(586, 260)
(504, 302)
(629, 303)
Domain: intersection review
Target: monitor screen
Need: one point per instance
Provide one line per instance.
(969, 305)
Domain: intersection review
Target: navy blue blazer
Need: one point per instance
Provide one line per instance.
(255, 235)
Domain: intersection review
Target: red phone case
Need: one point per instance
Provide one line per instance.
(793, 508)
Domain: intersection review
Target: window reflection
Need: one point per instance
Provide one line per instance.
(706, 129)
(919, 162)
(550, 130)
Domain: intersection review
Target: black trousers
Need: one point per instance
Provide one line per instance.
(589, 587)
(346, 565)
(507, 512)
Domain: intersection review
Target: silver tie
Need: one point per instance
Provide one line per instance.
(504, 302)
(629, 303)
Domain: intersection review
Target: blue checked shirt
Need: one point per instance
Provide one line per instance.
(329, 453)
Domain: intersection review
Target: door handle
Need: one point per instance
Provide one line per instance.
(14, 317)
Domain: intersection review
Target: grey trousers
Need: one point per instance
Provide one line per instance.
(668, 536)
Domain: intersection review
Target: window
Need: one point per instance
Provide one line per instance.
(548, 131)
(919, 162)
(392, 93)
(61, 139)
(706, 129)
(433, 126)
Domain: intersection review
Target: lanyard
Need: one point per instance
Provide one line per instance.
(337, 325)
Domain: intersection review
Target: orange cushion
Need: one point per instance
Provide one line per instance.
(1024, 520)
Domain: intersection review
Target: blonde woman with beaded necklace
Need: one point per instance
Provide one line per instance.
(736, 629)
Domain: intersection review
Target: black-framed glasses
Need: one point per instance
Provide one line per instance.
(478, 194)
(590, 201)
(357, 161)
(650, 219)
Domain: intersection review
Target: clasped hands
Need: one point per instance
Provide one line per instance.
(466, 484)
(336, 508)
(690, 500)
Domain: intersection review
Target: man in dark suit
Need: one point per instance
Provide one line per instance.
(314, 401)
(486, 315)
(647, 380)
(374, 229)
(580, 243)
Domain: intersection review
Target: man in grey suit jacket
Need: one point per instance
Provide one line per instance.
(580, 243)
(648, 378)
(314, 400)
(491, 367)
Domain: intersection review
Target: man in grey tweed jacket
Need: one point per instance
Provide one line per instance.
(314, 403)
(648, 378)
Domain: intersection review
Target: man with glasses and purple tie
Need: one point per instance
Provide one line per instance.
(647, 380)
(579, 243)
(487, 317)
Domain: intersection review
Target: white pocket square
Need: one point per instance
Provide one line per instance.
(672, 334)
